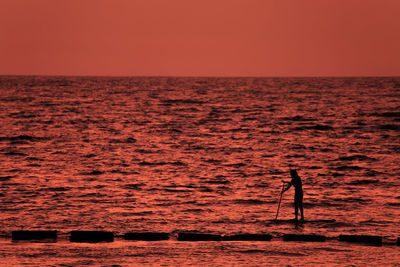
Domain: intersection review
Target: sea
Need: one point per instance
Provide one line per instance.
(199, 155)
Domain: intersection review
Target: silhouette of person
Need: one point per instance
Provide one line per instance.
(298, 193)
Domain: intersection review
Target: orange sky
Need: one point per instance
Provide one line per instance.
(200, 37)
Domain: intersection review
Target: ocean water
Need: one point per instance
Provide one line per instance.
(199, 154)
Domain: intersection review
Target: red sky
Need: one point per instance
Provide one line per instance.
(200, 37)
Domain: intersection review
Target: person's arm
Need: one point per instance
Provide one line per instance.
(287, 187)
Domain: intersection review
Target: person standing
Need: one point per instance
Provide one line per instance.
(298, 193)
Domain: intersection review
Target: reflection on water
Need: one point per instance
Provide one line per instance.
(206, 154)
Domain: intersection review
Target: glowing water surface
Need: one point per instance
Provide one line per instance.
(201, 154)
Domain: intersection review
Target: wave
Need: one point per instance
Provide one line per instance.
(213, 161)
(353, 200)
(23, 138)
(147, 151)
(393, 127)
(373, 222)
(387, 114)
(299, 147)
(123, 172)
(337, 174)
(177, 190)
(321, 203)
(24, 99)
(142, 213)
(195, 210)
(56, 189)
(297, 118)
(270, 252)
(296, 156)
(372, 173)
(250, 201)
(14, 153)
(175, 163)
(236, 165)
(136, 186)
(6, 178)
(94, 172)
(93, 196)
(169, 102)
(129, 140)
(205, 189)
(363, 182)
(329, 249)
(217, 181)
(33, 159)
(356, 157)
(346, 167)
(317, 127)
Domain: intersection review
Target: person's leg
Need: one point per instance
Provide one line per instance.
(301, 209)
(296, 209)
(299, 204)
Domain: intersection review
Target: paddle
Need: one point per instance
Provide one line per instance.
(280, 199)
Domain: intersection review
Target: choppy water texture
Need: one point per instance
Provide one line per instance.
(199, 154)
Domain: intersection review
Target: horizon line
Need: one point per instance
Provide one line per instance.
(200, 76)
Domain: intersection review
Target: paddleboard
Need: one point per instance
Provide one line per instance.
(292, 221)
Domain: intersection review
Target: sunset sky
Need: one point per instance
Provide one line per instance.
(200, 37)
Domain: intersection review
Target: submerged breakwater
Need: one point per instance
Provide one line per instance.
(103, 236)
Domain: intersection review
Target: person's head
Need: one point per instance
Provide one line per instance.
(294, 175)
